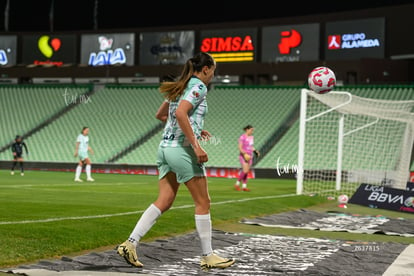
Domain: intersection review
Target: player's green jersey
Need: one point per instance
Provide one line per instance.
(195, 93)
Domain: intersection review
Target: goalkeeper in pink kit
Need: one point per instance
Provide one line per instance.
(246, 150)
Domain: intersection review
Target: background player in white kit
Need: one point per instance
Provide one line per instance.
(81, 150)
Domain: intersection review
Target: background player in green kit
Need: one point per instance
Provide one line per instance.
(81, 150)
(181, 158)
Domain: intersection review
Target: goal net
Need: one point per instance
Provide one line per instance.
(346, 140)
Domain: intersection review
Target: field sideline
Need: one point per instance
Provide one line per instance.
(46, 215)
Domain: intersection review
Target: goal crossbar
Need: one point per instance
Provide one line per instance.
(353, 126)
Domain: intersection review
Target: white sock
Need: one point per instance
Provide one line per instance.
(203, 226)
(88, 171)
(244, 185)
(78, 172)
(144, 224)
(238, 183)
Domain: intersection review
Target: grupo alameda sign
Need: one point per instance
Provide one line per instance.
(354, 39)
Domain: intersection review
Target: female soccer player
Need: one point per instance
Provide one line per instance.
(181, 158)
(246, 150)
(82, 148)
(17, 150)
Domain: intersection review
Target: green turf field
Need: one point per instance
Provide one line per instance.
(46, 215)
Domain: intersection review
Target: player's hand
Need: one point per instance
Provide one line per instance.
(257, 152)
(76, 154)
(247, 157)
(201, 154)
(205, 135)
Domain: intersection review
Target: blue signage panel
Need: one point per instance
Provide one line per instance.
(8, 50)
(108, 49)
(355, 39)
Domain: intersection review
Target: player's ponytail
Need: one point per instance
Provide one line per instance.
(173, 89)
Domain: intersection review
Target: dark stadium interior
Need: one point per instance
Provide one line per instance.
(20, 18)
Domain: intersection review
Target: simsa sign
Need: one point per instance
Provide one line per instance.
(354, 39)
(230, 45)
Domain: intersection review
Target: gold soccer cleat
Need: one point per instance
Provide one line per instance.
(128, 251)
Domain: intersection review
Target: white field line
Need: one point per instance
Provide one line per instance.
(70, 185)
(137, 212)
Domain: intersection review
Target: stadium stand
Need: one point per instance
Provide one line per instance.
(229, 110)
(124, 129)
(116, 115)
(27, 108)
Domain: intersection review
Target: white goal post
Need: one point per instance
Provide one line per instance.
(346, 140)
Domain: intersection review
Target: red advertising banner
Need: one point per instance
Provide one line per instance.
(227, 172)
(211, 172)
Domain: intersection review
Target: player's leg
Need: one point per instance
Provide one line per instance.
(21, 162)
(241, 173)
(78, 171)
(13, 165)
(246, 169)
(168, 187)
(199, 192)
(198, 188)
(88, 169)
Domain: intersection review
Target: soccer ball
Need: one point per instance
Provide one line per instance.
(321, 80)
(343, 199)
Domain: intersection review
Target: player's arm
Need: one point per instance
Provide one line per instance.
(242, 152)
(76, 148)
(162, 112)
(184, 122)
(246, 156)
(13, 148)
(25, 148)
(90, 150)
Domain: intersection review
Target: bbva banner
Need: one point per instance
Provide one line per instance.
(383, 197)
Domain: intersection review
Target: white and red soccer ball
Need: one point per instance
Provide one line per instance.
(343, 199)
(321, 80)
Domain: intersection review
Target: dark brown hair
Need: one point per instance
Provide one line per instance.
(173, 89)
(247, 127)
